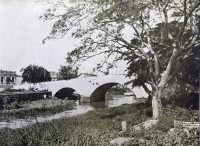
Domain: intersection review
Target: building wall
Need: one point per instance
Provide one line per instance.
(54, 76)
(7, 79)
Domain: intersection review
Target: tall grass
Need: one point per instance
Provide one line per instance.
(96, 128)
(43, 107)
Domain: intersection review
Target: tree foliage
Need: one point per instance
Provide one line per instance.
(35, 74)
(155, 37)
(67, 72)
(190, 68)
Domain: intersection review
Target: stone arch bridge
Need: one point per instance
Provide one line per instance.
(91, 88)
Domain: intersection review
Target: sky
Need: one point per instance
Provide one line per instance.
(21, 35)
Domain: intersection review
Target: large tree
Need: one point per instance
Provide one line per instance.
(67, 72)
(35, 74)
(154, 36)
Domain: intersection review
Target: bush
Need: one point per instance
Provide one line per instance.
(159, 138)
(159, 134)
(184, 99)
(181, 114)
(165, 124)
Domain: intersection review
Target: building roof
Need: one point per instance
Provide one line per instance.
(5, 72)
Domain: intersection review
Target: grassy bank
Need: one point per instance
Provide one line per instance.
(95, 128)
(43, 107)
(161, 135)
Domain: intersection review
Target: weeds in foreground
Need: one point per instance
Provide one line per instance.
(97, 128)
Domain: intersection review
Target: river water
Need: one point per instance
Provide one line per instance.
(112, 101)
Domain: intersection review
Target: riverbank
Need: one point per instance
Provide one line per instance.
(96, 127)
(42, 107)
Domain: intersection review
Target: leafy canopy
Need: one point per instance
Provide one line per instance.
(35, 74)
(67, 72)
(154, 36)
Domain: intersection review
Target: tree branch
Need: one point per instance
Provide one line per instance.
(186, 17)
(166, 73)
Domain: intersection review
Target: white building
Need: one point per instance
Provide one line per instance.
(7, 79)
(54, 75)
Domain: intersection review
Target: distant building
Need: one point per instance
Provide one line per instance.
(54, 76)
(7, 79)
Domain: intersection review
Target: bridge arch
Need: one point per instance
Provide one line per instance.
(66, 92)
(99, 93)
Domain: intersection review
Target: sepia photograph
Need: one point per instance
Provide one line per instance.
(99, 72)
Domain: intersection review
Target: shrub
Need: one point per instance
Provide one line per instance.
(184, 99)
(164, 124)
(180, 114)
(154, 137)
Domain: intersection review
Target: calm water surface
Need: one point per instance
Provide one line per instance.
(112, 101)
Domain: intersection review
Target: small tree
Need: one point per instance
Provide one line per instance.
(35, 74)
(154, 36)
(67, 72)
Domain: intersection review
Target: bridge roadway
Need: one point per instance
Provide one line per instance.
(92, 88)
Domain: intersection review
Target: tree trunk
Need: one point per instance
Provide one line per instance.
(156, 104)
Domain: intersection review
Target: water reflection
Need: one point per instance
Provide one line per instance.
(111, 101)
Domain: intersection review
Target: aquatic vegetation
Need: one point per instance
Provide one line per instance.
(43, 107)
(96, 127)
